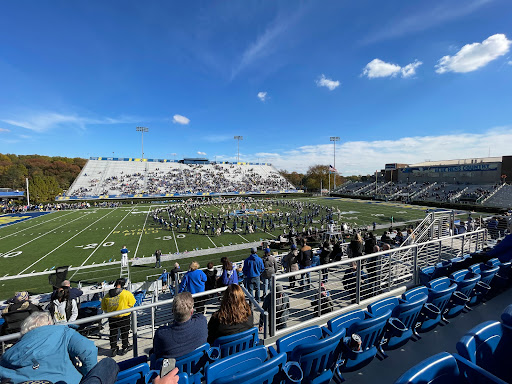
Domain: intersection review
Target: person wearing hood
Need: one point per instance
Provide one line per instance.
(19, 309)
(118, 299)
(63, 308)
(252, 270)
(48, 352)
(211, 276)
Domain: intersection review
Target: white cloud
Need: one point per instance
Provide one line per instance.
(201, 153)
(328, 83)
(474, 56)
(365, 157)
(5, 130)
(178, 119)
(262, 96)
(41, 122)
(378, 68)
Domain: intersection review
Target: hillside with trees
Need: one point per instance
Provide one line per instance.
(315, 177)
(48, 176)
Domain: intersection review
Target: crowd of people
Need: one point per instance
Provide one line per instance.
(181, 178)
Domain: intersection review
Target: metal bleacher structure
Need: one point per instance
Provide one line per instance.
(351, 283)
(119, 178)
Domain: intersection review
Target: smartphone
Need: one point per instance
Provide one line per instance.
(167, 366)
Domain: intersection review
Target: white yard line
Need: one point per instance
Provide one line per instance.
(173, 235)
(44, 222)
(71, 238)
(243, 237)
(141, 233)
(100, 244)
(44, 234)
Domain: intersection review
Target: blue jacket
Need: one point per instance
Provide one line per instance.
(193, 282)
(54, 348)
(253, 266)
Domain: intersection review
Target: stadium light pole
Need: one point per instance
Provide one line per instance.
(334, 139)
(238, 138)
(142, 130)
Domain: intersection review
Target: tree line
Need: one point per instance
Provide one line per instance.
(48, 176)
(316, 177)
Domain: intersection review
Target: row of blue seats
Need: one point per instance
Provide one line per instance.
(324, 353)
(483, 358)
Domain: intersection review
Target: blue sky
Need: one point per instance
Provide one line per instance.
(396, 81)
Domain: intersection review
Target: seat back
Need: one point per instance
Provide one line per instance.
(483, 346)
(370, 329)
(383, 306)
(415, 293)
(408, 311)
(486, 273)
(133, 371)
(346, 320)
(250, 366)
(307, 335)
(438, 369)
(237, 342)
(466, 281)
(317, 357)
(440, 292)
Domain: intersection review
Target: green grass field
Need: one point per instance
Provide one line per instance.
(96, 235)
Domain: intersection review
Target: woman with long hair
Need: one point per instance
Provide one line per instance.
(233, 316)
(229, 273)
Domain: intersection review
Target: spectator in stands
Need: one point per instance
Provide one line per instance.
(325, 258)
(194, 280)
(291, 260)
(187, 332)
(252, 270)
(48, 352)
(16, 312)
(350, 281)
(211, 276)
(158, 256)
(74, 293)
(385, 238)
(305, 258)
(234, 315)
(369, 243)
(282, 308)
(118, 299)
(63, 309)
(229, 273)
(165, 279)
(356, 247)
(173, 273)
(270, 265)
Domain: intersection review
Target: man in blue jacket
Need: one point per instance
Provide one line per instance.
(253, 268)
(48, 352)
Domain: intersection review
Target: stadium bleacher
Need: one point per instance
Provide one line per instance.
(114, 178)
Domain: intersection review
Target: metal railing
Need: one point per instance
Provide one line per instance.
(147, 317)
(316, 294)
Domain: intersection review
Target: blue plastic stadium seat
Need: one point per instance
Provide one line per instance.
(426, 274)
(139, 297)
(238, 342)
(445, 368)
(484, 286)
(429, 316)
(440, 292)
(503, 276)
(401, 325)
(488, 345)
(133, 371)
(252, 366)
(317, 350)
(368, 327)
(466, 282)
(91, 304)
(193, 363)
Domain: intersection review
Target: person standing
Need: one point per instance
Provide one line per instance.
(252, 270)
(124, 256)
(194, 282)
(158, 255)
(270, 264)
(292, 264)
(118, 299)
(305, 258)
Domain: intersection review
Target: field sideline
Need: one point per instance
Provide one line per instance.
(95, 236)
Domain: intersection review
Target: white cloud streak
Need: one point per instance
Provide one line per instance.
(42, 122)
(179, 119)
(262, 96)
(378, 68)
(365, 157)
(426, 17)
(5, 130)
(201, 153)
(476, 55)
(328, 83)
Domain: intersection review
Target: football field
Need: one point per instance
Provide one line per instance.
(95, 236)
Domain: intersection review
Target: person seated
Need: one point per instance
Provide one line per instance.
(234, 315)
(16, 312)
(187, 332)
(48, 352)
(63, 308)
(74, 293)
